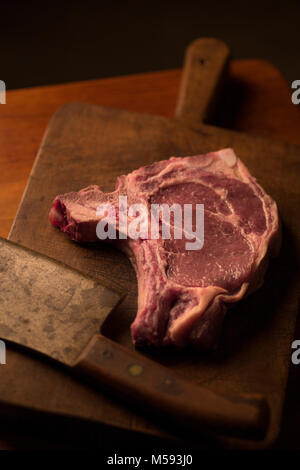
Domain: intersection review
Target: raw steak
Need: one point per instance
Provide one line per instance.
(182, 294)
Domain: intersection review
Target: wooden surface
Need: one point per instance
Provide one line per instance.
(164, 393)
(256, 79)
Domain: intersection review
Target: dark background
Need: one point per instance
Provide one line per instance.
(43, 42)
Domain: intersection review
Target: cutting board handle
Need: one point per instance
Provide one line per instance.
(204, 69)
(157, 389)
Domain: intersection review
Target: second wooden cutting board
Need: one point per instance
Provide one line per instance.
(92, 145)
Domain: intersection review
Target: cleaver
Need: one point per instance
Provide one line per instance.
(57, 312)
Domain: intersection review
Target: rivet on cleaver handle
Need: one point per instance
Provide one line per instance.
(156, 387)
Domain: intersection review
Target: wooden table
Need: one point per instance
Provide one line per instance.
(256, 99)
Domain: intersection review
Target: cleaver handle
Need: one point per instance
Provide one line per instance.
(156, 388)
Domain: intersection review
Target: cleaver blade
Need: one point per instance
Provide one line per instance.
(48, 307)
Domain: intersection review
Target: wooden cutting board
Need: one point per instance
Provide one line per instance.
(93, 145)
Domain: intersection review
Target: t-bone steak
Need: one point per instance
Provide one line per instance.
(183, 294)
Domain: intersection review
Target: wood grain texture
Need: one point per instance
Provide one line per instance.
(162, 96)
